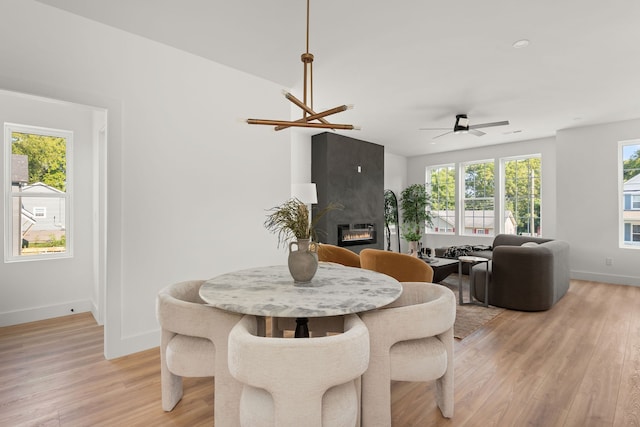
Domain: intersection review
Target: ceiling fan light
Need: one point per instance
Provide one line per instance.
(462, 124)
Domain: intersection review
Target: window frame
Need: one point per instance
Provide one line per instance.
(622, 242)
(463, 200)
(10, 195)
(428, 171)
(503, 192)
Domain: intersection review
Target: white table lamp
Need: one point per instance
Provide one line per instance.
(306, 193)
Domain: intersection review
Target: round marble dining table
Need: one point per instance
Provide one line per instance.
(270, 291)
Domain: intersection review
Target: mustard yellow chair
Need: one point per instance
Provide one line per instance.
(337, 254)
(402, 267)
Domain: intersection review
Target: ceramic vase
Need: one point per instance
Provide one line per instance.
(303, 261)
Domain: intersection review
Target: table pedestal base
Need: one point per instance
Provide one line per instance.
(302, 327)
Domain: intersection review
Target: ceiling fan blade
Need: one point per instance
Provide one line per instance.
(486, 125)
(434, 128)
(443, 134)
(476, 132)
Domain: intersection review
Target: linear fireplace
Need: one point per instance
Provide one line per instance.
(356, 234)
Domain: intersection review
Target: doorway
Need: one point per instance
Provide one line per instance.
(44, 288)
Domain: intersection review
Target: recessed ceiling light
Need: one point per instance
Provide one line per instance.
(521, 43)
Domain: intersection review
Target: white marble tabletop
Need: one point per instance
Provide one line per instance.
(270, 291)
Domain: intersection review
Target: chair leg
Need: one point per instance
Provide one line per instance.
(376, 394)
(171, 384)
(444, 384)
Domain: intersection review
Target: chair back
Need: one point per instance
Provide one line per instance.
(337, 254)
(402, 267)
(296, 372)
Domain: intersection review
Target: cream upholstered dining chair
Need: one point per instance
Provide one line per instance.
(402, 267)
(194, 344)
(411, 340)
(293, 382)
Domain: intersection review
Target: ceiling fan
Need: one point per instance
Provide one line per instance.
(462, 126)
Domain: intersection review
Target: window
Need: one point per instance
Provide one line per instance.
(441, 182)
(630, 177)
(478, 201)
(38, 193)
(521, 206)
(40, 212)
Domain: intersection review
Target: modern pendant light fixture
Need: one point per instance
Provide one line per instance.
(310, 119)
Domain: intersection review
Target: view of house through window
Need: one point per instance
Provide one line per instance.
(441, 181)
(39, 204)
(478, 203)
(522, 196)
(631, 193)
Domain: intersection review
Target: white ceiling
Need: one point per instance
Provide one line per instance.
(414, 64)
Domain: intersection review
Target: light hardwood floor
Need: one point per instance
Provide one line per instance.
(577, 364)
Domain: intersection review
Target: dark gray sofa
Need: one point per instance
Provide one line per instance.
(532, 277)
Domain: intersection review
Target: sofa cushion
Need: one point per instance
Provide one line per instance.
(530, 244)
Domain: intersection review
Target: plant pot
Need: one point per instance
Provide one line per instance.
(303, 262)
(413, 249)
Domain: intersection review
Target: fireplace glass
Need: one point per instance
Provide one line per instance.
(356, 234)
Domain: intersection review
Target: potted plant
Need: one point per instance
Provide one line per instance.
(291, 222)
(414, 201)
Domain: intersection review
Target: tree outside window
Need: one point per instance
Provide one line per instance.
(441, 183)
(478, 202)
(522, 196)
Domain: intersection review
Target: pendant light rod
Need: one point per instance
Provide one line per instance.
(307, 60)
(306, 105)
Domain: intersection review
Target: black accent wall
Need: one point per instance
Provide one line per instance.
(334, 168)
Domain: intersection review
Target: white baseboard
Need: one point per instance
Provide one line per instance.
(40, 313)
(615, 279)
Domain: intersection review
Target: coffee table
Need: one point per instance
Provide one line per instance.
(442, 267)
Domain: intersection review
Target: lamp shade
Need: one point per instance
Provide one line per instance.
(306, 193)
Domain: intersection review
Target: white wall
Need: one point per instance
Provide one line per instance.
(588, 201)
(188, 185)
(300, 156)
(36, 290)
(416, 174)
